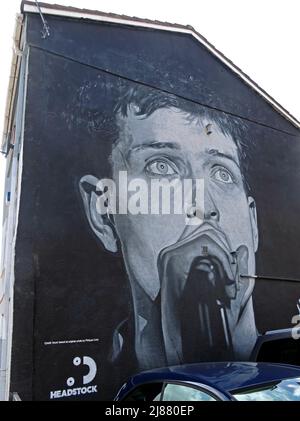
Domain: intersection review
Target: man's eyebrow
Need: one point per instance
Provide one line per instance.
(216, 152)
(156, 145)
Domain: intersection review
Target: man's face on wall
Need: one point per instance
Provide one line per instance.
(163, 255)
(169, 145)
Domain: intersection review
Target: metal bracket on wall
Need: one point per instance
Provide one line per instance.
(270, 278)
(46, 29)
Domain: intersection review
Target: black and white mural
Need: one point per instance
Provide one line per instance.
(156, 184)
(189, 300)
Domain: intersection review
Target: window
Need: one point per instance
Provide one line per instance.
(282, 390)
(179, 392)
(146, 393)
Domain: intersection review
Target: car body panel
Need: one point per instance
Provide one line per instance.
(222, 377)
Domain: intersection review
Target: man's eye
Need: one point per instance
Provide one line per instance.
(223, 176)
(160, 167)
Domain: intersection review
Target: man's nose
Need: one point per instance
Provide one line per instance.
(211, 211)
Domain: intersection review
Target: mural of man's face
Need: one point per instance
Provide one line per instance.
(160, 251)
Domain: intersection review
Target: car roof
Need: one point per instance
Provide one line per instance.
(224, 376)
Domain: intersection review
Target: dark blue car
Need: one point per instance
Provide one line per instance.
(223, 381)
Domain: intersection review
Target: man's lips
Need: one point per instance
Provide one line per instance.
(211, 227)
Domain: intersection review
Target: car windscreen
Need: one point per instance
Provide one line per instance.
(281, 390)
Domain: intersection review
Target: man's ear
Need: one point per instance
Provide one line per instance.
(100, 224)
(253, 219)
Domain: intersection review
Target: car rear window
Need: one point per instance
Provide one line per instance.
(282, 390)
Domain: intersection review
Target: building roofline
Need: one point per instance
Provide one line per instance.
(73, 12)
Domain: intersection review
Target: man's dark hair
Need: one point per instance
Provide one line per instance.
(99, 104)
